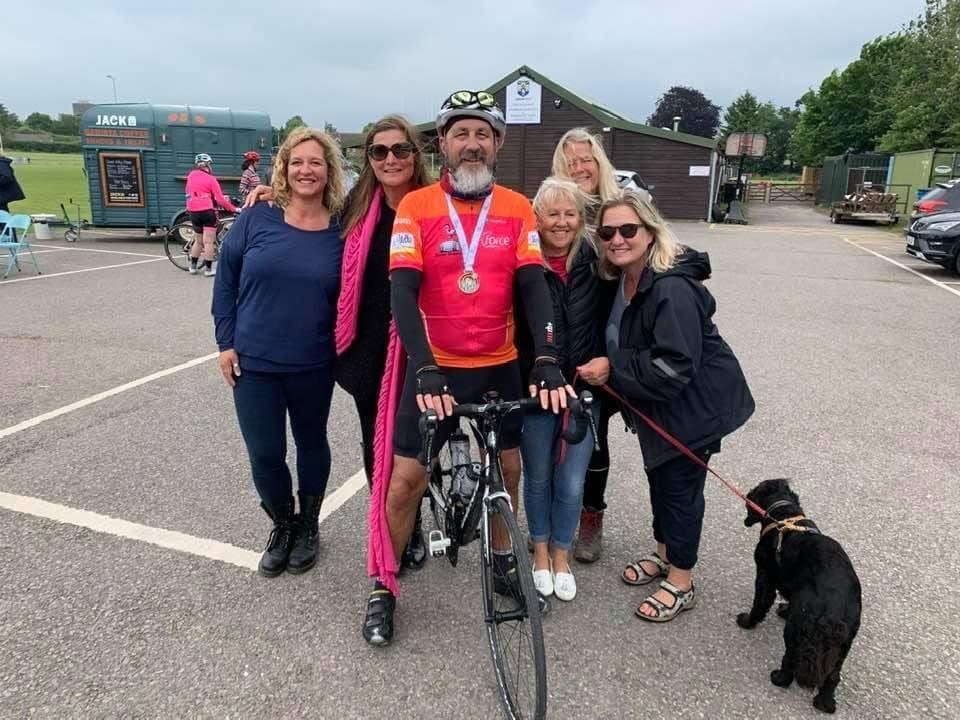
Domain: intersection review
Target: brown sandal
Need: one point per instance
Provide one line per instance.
(682, 600)
(642, 577)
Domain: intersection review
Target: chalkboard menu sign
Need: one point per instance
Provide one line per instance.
(121, 179)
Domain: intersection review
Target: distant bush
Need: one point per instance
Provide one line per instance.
(62, 146)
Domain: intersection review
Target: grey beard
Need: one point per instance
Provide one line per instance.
(469, 182)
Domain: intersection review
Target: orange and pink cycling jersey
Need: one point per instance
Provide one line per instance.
(466, 329)
(204, 193)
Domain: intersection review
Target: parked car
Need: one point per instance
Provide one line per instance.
(629, 180)
(936, 239)
(945, 196)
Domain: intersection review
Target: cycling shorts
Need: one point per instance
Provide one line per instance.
(466, 385)
(203, 219)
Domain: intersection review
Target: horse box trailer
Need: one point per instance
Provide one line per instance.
(136, 157)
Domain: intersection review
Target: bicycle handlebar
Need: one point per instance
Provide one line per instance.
(579, 406)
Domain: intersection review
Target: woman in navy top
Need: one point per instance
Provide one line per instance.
(274, 305)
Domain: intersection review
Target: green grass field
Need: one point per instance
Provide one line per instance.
(48, 180)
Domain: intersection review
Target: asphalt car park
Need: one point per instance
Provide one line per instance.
(130, 529)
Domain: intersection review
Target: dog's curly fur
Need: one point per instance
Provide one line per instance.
(815, 576)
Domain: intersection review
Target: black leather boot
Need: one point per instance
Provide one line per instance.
(277, 553)
(303, 556)
(415, 554)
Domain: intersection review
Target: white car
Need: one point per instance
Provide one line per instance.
(628, 180)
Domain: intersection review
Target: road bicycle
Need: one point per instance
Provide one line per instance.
(179, 241)
(466, 495)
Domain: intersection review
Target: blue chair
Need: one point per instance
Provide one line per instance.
(14, 244)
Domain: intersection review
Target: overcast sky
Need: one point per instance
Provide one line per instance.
(351, 62)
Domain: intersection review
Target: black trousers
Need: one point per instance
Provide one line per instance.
(366, 403)
(676, 497)
(263, 402)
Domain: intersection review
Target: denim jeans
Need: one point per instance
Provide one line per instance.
(552, 493)
(263, 401)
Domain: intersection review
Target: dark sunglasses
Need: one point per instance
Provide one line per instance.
(627, 231)
(465, 98)
(401, 151)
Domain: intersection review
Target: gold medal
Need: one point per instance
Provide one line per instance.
(469, 283)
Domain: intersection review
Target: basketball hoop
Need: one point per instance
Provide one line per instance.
(746, 144)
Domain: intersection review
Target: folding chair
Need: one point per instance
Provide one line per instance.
(13, 244)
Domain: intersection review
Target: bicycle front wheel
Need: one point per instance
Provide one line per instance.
(177, 244)
(514, 628)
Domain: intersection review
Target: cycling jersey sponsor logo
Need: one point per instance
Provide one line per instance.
(533, 239)
(492, 241)
(448, 247)
(403, 221)
(402, 241)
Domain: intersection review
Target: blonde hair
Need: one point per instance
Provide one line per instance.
(608, 187)
(333, 193)
(663, 251)
(552, 189)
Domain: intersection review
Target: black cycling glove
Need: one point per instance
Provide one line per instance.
(430, 381)
(546, 374)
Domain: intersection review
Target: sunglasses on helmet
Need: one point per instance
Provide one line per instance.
(627, 231)
(401, 151)
(466, 98)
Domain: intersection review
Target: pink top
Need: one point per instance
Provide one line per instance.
(202, 190)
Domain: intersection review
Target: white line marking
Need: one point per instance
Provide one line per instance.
(170, 539)
(25, 253)
(343, 493)
(112, 252)
(904, 267)
(33, 422)
(74, 272)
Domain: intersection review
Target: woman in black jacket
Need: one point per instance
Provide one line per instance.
(553, 489)
(665, 356)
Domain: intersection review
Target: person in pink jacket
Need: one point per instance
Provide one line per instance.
(203, 196)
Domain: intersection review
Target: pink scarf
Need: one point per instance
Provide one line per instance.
(355, 252)
(381, 562)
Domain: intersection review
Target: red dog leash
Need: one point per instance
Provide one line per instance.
(682, 448)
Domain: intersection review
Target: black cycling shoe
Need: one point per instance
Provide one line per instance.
(415, 554)
(378, 624)
(506, 582)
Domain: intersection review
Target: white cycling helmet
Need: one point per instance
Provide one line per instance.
(476, 104)
(202, 159)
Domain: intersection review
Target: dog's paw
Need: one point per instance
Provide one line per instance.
(781, 679)
(825, 703)
(744, 621)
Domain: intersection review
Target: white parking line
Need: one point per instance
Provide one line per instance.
(170, 539)
(34, 421)
(931, 280)
(45, 250)
(74, 272)
(111, 252)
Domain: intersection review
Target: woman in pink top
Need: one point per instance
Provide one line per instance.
(203, 196)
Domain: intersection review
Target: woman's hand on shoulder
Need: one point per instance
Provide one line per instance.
(259, 194)
(596, 371)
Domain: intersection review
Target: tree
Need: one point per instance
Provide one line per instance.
(698, 116)
(747, 114)
(39, 121)
(293, 123)
(7, 118)
(66, 124)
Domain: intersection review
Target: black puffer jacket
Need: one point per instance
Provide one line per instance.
(673, 366)
(10, 190)
(578, 335)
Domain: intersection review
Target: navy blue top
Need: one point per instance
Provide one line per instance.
(275, 294)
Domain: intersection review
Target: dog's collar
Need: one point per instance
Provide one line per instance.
(788, 525)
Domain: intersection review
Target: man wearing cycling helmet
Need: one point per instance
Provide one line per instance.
(203, 195)
(458, 249)
(250, 177)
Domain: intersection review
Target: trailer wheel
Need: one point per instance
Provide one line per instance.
(834, 218)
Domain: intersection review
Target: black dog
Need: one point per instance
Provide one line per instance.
(815, 576)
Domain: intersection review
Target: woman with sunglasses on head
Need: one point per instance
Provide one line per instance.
(579, 156)
(667, 359)
(553, 473)
(393, 166)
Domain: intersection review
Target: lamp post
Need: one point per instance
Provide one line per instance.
(111, 77)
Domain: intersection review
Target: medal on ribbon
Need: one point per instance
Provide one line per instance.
(469, 281)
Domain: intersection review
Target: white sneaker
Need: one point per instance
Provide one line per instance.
(193, 269)
(210, 271)
(543, 582)
(564, 586)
